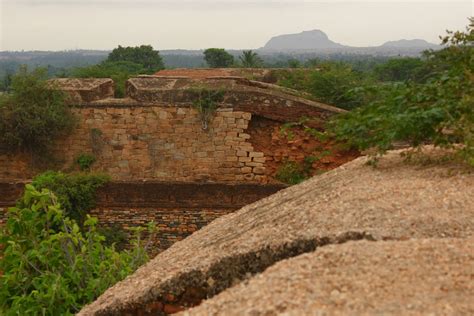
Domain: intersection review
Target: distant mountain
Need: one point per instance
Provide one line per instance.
(307, 40)
(414, 43)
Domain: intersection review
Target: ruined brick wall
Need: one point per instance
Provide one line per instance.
(178, 209)
(156, 132)
(158, 142)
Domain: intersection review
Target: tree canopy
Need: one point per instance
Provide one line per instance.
(218, 58)
(250, 59)
(144, 55)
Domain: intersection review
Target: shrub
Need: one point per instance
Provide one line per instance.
(75, 192)
(291, 172)
(49, 266)
(85, 161)
(33, 115)
(206, 103)
(330, 83)
(439, 111)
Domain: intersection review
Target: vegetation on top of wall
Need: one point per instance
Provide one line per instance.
(33, 115)
(52, 267)
(438, 111)
(75, 192)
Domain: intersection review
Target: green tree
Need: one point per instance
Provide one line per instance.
(250, 59)
(218, 58)
(144, 55)
(439, 111)
(49, 266)
(33, 114)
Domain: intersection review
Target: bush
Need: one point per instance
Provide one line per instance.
(399, 69)
(33, 115)
(75, 192)
(331, 83)
(85, 161)
(440, 111)
(206, 103)
(49, 266)
(290, 172)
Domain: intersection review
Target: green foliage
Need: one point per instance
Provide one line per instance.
(294, 63)
(49, 266)
(85, 161)
(331, 83)
(33, 115)
(399, 69)
(143, 55)
(291, 173)
(206, 103)
(439, 111)
(114, 235)
(75, 192)
(250, 59)
(218, 58)
(119, 71)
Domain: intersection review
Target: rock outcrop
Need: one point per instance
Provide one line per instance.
(354, 203)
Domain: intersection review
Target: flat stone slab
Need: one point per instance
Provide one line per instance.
(83, 90)
(422, 277)
(395, 201)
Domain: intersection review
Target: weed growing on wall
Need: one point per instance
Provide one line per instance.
(206, 103)
(85, 161)
(50, 266)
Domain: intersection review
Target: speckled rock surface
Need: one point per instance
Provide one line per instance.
(395, 201)
(415, 277)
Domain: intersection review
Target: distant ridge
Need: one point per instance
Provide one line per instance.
(318, 41)
(307, 40)
(414, 43)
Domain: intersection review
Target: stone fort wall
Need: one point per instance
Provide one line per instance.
(156, 132)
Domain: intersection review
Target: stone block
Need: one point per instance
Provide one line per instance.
(256, 154)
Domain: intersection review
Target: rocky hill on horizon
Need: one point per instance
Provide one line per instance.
(317, 40)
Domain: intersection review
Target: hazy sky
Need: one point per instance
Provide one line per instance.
(104, 24)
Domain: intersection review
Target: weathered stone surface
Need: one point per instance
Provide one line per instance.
(415, 277)
(395, 201)
(84, 90)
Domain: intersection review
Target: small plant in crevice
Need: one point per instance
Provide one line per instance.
(75, 192)
(291, 172)
(206, 103)
(85, 161)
